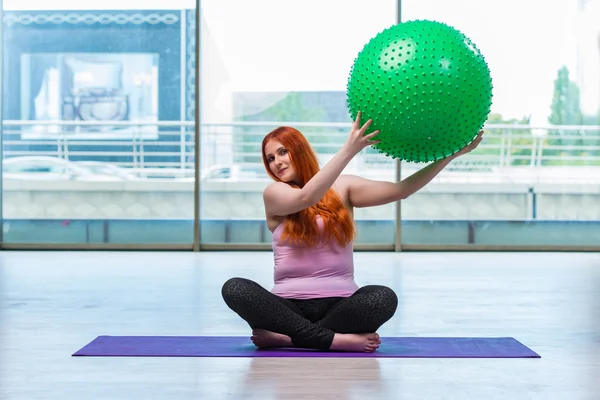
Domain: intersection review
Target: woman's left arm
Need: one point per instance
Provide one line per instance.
(364, 192)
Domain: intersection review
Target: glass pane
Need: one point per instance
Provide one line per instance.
(98, 122)
(288, 66)
(535, 179)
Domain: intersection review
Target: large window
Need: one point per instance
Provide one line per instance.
(286, 65)
(110, 112)
(535, 180)
(98, 123)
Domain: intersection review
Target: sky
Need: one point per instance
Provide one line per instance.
(274, 45)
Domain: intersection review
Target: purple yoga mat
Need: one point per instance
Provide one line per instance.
(239, 346)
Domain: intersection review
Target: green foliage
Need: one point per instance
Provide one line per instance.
(521, 141)
(290, 109)
(569, 147)
(560, 147)
(249, 138)
(566, 108)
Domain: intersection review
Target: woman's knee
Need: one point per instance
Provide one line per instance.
(382, 297)
(235, 288)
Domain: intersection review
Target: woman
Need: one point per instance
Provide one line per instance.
(315, 302)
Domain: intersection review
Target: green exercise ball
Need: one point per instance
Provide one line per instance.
(425, 85)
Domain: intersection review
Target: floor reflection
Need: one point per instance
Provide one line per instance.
(313, 378)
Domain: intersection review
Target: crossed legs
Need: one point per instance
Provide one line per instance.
(346, 323)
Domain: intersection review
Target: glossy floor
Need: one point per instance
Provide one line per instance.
(53, 303)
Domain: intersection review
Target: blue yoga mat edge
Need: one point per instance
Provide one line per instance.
(240, 346)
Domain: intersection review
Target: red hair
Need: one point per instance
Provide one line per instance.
(302, 226)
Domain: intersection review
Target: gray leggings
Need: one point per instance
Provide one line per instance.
(310, 323)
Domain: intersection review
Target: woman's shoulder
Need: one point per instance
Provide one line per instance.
(275, 185)
(342, 185)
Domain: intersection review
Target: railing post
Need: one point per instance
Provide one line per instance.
(502, 147)
(59, 146)
(540, 151)
(134, 148)
(508, 149)
(533, 152)
(182, 146)
(141, 144)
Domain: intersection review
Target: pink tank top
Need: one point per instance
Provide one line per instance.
(303, 272)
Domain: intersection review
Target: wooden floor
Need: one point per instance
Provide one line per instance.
(53, 303)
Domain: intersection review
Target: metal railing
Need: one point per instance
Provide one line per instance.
(523, 149)
(137, 145)
(171, 144)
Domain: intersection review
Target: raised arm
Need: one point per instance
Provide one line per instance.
(369, 193)
(281, 199)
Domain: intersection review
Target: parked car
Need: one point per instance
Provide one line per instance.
(49, 169)
(236, 172)
(107, 169)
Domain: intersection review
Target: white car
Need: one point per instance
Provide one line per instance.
(236, 172)
(47, 168)
(107, 169)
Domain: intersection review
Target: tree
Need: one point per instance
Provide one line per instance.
(521, 141)
(291, 108)
(566, 108)
(568, 147)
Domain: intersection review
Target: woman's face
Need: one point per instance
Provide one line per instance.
(279, 161)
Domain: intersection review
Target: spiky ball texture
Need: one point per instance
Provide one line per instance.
(426, 86)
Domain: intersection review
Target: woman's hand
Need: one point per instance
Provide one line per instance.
(357, 139)
(470, 147)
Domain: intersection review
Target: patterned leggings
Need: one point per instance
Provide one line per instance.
(310, 323)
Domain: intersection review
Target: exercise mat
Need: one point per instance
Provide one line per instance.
(241, 346)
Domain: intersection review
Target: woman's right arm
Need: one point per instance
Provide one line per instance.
(281, 199)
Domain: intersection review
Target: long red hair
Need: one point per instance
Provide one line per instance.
(302, 226)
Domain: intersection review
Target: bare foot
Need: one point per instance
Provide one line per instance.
(264, 339)
(367, 342)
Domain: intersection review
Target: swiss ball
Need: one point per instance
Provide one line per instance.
(425, 85)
